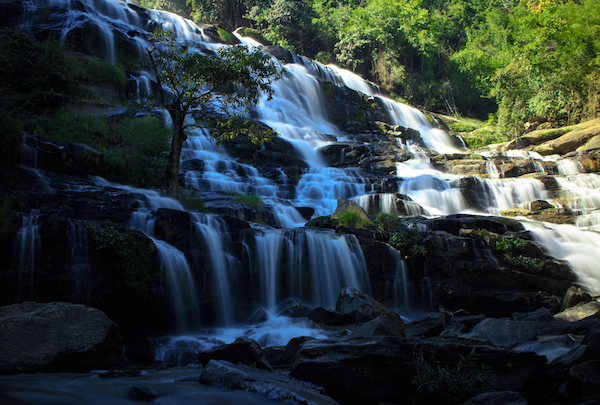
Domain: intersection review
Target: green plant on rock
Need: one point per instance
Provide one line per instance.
(529, 265)
(353, 219)
(510, 246)
(125, 260)
(445, 384)
(409, 240)
(251, 200)
(320, 222)
(10, 141)
(385, 222)
(9, 204)
(192, 202)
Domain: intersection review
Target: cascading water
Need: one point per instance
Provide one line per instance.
(316, 264)
(27, 245)
(78, 260)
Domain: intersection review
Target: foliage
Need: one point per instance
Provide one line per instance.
(101, 72)
(192, 202)
(232, 127)
(409, 240)
(134, 148)
(229, 84)
(509, 246)
(528, 264)
(251, 200)
(385, 222)
(126, 261)
(591, 165)
(484, 136)
(320, 222)
(353, 219)
(9, 204)
(10, 140)
(443, 384)
(137, 154)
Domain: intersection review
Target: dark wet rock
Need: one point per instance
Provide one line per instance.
(284, 356)
(498, 398)
(298, 310)
(430, 326)
(143, 394)
(362, 307)
(585, 380)
(242, 350)
(120, 374)
(55, 337)
(539, 315)
(330, 317)
(573, 296)
(504, 332)
(383, 325)
(273, 385)
(469, 321)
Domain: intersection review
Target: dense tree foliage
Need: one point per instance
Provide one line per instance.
(520, 60)
(230, 83)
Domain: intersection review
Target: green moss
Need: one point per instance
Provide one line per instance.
(320, 222)
(192, 202)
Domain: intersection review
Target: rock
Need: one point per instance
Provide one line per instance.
(585, 380)
(382, 325)
(362, 307)
(349, 206)
(574, 296)
(142, 394)
(539, 315)
(298, 310)
(579, 311)
(504, 332)
(273, 385)
(358, 371)
(430, 326)
(242, 350)
(498, 398)
(55, 337)
(329, 317)
(283, 356)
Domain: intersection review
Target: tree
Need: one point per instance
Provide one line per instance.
(229, 82)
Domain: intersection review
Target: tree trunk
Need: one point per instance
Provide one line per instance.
(172, 170)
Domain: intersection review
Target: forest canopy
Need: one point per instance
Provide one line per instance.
(513, 61)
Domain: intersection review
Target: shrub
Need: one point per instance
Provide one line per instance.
(509, 246)
(385, 222)
(250, 200)
(530, 265)
(101, 72)
(320, 222)
(9, 204)
(192, 202)
(353, 219)
(443, 384)
(408, 240)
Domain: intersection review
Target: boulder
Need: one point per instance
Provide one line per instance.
(430, 326)
(498, 398)
(56, 336)
(361, 307)
(382, 325)
(579, 311)
(504, 332)
(585, 380)
(242, 350)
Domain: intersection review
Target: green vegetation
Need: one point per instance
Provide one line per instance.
(520, 60)
(230, 83)
(510, 249)
(444, 384)
(409, 240)
(251, 200)
(192, 202)
(385, 222)
(9, 204)
(353, 219)
(127, 262)
(320, 222)
(10, 141)
(510, 246)
(133, 148)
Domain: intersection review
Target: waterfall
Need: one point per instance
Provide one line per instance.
(78, 260)
(27, 246)
(211, 231)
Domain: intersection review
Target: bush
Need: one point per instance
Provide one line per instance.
(509, 246)
(528, 264)
(9, 204)
(10, 140)
(385, 222)
(192, 202)
(251, 200)
(442, 384)
(408, 240)
(353, 219)
(100, 72)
